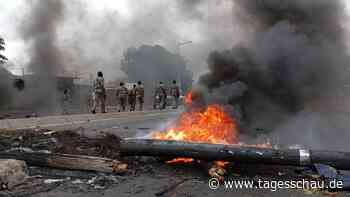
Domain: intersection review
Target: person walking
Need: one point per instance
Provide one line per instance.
(99, 93)
(175, 94)
(122, 96)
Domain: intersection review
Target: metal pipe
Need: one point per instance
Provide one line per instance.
(234, 153)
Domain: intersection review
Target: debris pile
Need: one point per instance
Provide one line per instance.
(56, 158)
(70, 160)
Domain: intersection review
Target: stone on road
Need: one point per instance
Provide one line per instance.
(12, 173)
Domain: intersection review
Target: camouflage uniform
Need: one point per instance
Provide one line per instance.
(160, 96)
(99, 94)
(175, 93)
(122, 96)
(132, 99)
(140, 94)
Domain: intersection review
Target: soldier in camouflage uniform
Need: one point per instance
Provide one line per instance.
(160, 96)
(140, 94)
(175, 93)
(122, 97)
(99, 93)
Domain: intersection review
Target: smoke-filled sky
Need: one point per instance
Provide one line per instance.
(92, 35)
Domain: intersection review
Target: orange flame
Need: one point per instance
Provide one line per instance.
(213, 126)
(189, 98)
(180, 160)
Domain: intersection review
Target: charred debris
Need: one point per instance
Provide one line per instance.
(55, 158)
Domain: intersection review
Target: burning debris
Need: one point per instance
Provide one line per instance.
(213, 125)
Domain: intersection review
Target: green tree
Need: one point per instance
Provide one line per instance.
(3, 59)
(151, 64)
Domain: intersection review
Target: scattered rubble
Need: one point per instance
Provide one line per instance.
(64, 142)
(53, 144)
(12, 173)
(58, 158)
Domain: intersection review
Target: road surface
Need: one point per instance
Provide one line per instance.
(112, 122)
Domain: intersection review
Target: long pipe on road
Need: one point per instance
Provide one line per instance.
(235, 153)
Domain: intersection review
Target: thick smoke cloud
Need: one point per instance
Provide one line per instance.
(296, 57)
(46, 59)
(41, 29)
(97, 40)
(87, 39)
(72, 38)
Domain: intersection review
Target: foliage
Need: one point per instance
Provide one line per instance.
(152, 64)
(3, 59)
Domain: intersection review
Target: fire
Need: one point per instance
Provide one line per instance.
(189, 98)
(212, 126)
(180, 160)
(209, 125)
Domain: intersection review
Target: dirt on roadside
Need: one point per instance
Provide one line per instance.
(146, 176)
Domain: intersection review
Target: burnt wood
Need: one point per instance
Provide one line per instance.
(66, 161)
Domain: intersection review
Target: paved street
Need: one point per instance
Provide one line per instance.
(90, 121)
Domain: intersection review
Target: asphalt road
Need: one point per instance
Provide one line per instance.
(126, 124)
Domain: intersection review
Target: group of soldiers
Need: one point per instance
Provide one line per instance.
(134, 96)
(131, 97)
(160, 96)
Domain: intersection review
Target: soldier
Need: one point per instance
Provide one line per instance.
(122, 96)
(160, 96)
(140, 94)
(132, 98)
(175, 93)
(99, 92)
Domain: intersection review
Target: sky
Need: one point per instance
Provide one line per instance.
(103, 29)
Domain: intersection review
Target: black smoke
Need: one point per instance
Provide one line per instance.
(40, 29)
(295, 55)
